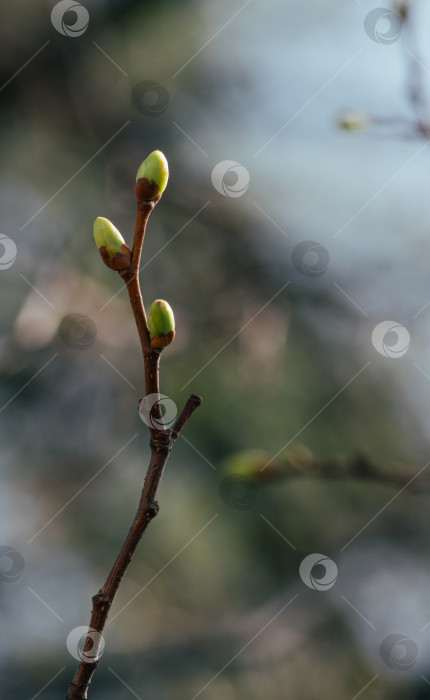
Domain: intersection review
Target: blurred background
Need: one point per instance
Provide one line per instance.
(292, 243)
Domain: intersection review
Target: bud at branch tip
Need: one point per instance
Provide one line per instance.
(152, 177)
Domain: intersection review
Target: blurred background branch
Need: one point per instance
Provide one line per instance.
(258, 467)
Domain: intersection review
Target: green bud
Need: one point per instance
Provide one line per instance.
(161, 324)
(354, 120)
(151, 178)
(112, 247)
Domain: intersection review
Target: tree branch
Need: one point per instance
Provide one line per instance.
(161, 441)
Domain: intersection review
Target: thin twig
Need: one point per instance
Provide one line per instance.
(356, 467)
(192, 403)
(415, 82)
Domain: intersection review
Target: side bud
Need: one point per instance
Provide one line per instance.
(152, 177)
(112, 247)
(161, 324)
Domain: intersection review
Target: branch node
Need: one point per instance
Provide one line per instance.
(98, 598)
(162, 441)
(153, 509)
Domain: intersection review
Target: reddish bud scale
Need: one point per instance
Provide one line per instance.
(117, 261)
(162, 340)
(147, 191)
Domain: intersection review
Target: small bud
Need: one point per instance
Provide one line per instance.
(402, 9)
(161, 324)
(355, 120)
(152, 176)
(112, 247)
